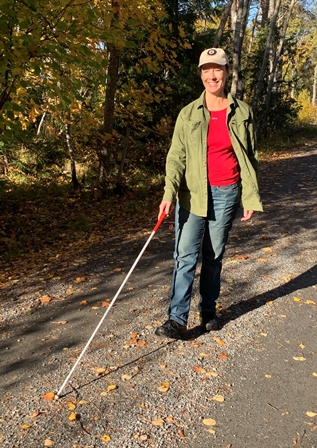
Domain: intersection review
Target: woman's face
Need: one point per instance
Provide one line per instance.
(214, 77)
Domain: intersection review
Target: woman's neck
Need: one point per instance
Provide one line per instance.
(214, 103)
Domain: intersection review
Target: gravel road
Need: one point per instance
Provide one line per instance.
(252, 384)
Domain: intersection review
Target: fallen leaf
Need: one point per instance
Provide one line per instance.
(45, 299)
(84, 302)
(314, 373)
(71, 406)
(164, 387)
(111, 387)
(80, 279)
(212, 431)
(72, 416)
(26, 426)
(117, 270)
(105, 438)
(219, 341)
(223, 356)
(268, 376)
(211, 374)
(199, 369)
(158, 422)
(311, 414)
(105, 304)
(219, 398)
(203, 355)
(181, 434)
(297, 299)
(299, 358)
(209, 422)
(49, 396)
(60, 322)
(310, 302)
(48, 442)
(302, 345)
(141, 343)
(95, 307)
(267, 249)
(100, 371)
(126, 377)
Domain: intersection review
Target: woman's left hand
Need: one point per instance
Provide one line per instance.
(247, 215)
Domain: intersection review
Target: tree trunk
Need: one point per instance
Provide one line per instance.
(276, 60)
(313, 100)
(70, 147)
(260, 83)
(124, 153)
(239, 22)
(223, 21)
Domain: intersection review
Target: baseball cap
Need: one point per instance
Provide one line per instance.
(215, 55)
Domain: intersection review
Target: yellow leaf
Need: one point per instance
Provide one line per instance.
(219, 398)
(219, 341)
(211, 374)
(297, 299)
(111, 387)
(264, 334)
(126, 377)
(105, 438)
(80, 279)
(267, 249)
(26, 426)
(164, 387)
(48, 442)
(314, 373)
(203, 355)
(310, 302)
(299, 358)
(302, 345)
(209, 422)
(72, 416)
(212, 431)
(71, 406)
(100, 371)
(311, 414)
(268, 376)
(103, 394)
(158, 422)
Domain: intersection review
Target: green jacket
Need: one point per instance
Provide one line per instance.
(186, 164)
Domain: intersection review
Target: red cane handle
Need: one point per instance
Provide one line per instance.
(159, 222)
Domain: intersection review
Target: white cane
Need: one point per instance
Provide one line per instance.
(159, 222)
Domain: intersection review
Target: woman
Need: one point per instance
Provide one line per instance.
(211, 166)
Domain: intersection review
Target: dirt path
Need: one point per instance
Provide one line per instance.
(262, 362)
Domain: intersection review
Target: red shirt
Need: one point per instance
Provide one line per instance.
(223, 167)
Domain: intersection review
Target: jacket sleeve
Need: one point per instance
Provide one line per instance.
(252, 151)
(175, 162)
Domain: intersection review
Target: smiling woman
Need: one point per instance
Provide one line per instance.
(211, 166)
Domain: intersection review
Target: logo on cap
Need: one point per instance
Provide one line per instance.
(211, 52)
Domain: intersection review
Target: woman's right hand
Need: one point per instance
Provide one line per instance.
(165, 206)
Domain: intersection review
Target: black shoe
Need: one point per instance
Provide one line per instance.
(171, 329)
(208, 321)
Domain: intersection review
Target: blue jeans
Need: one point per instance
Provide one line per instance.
(211, 234)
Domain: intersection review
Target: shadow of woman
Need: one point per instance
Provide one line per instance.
(236, 310)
